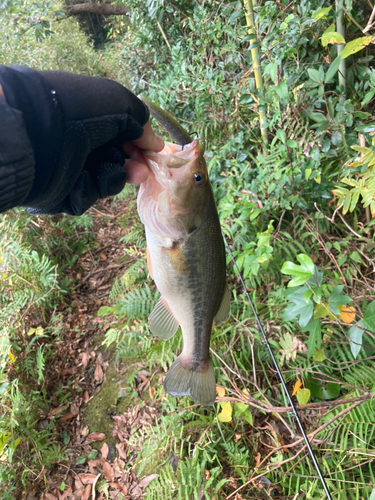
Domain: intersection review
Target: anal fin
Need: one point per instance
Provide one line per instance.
(161, 321)
(224, 309)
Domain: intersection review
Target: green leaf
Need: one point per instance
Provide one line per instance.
(305, 311)
(243, 410)
(303, 396)
(332, 70)
(355, 46)
(372, 496)
(317, 117)
(105, 311)
(321, 13)
(332, 37)
(302, 272)
(337, 299)
(319, 355)
(81, 460)
(355, 335)
(369, 317)
(315, 335)
(330, 391)
(367, 99)
(292, 143)
(282, 90)
(314, 75)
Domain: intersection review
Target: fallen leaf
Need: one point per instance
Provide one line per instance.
(136, 491)
(98, 375)
(49, 496)
(74, 408)
(96, 436)
(56, 411)
(86, 492)
(237, 437)
(226, 413)
(147, 480)
(220, 391)
(103, 256)
(66, 417)
(347, 314)
(257, 459)
(120, 450)
(104, 450)
(86, 478)
(108, 471)
(84, 431)
(85, 357)
(86, 397)
(297, 386)
(66, 494)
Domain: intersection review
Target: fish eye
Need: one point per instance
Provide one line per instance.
(198, 179)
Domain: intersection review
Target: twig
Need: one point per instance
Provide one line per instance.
(370, 21)
(347, 225)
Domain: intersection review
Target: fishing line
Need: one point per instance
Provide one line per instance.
(294, 411)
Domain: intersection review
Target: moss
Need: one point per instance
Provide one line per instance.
(107, 402)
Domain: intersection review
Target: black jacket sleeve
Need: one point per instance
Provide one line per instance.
(73, 127)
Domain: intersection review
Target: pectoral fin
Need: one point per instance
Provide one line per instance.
(224, 308)
(161, 321)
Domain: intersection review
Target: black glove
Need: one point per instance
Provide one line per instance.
(76, 125)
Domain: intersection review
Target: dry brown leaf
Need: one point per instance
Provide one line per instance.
(86, 397)
(96, 436)
(66, 494)
(147, 480)
(237, 437)
(49, 496)
(98, 375)
(85, 357)
(96, 463)
(66, 417)
(56, 411)
(103, 256)
(136, 491)
(86, 478)
(86, 492)
(84, 431)
(108, 471)
(257, 459)
(104, 450)
(121, 451)
(74, 408)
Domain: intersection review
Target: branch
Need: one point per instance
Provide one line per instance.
(97, 8)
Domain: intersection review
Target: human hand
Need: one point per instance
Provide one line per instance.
(136, 167)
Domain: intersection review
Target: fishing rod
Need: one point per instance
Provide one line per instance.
(294, 410)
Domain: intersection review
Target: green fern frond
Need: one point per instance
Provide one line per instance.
(138, 303)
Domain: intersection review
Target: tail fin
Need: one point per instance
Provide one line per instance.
(200, 386)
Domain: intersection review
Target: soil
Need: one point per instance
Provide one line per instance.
(99, 402)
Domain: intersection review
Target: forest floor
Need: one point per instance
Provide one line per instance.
(96, 405)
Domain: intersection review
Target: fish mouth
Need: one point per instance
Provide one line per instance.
(168, 165)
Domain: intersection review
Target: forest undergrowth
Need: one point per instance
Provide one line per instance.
(292, 167)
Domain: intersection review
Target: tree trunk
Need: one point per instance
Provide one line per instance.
(97, 8)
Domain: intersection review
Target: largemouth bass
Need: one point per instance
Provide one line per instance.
(186, 258)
